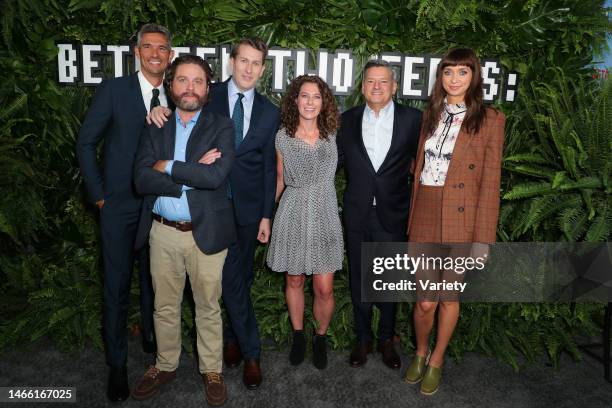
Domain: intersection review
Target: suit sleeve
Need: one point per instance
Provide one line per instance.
(487, 209)
(97, 119)
(208, 176)
(269, 163)
(147, 180)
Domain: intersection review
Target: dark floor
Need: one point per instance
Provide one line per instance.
(478, 381)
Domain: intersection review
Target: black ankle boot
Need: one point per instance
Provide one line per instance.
(298, 347)
(319, 351)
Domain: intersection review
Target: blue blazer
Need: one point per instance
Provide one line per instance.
(211, 209)
(253, 176)
(117, 115)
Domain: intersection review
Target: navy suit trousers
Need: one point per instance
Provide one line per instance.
(372, 231)
(118, 232)
(237, 280)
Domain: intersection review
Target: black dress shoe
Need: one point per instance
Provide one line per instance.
(251, 375)
(389, 355)
(231, 354)
(118, 389)
(359, 354)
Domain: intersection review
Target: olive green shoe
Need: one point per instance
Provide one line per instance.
(416, 370)
(431, 380)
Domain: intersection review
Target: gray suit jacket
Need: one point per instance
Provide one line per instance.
(211, 209)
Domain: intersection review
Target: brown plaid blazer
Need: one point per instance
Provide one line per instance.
(471, 192)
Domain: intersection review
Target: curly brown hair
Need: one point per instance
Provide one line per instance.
(328, 120)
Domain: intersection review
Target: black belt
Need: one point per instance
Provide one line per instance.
(183, 226)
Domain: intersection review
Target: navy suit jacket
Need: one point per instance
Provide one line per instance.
(117, 115)
(253, 177)
(209, 205)
(391, 183)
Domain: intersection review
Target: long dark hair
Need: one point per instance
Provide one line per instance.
(476, 111)
(328, 120)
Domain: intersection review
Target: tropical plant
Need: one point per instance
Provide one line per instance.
(49, 268)
(565, 161)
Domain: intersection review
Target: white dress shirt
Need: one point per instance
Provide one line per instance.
(247, 103)
(147, 92)
(377, 133)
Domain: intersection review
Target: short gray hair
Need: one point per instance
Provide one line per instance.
(153, 28)
(378, 63)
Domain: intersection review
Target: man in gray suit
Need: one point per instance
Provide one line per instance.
(188, 219)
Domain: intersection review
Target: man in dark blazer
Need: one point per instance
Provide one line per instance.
(253, 186)
(117, 116)
(187, 217)
(377, 144)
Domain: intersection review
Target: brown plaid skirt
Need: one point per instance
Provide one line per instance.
(426, 225)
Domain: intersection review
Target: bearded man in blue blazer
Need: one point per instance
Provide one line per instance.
(252, 188)
(117, 115)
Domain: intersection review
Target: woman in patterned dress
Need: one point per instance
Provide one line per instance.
(306, 233)
(455, 197)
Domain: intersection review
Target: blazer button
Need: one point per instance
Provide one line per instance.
(471, 166)
(460, 209)
(461, 185)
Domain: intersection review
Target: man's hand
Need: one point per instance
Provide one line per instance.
(264, 231)
(210, 156)
(158, 115)
(100, 204)
(160, 165)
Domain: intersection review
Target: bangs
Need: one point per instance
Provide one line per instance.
(460, 56)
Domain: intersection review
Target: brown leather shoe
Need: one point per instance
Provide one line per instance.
(231, 354)
(389, 355)
(359, 354)
(151, 382)
(216, 392)
(252, 374)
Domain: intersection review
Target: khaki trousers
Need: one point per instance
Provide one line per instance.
(174, 253)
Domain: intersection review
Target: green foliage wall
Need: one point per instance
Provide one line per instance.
(49, 263)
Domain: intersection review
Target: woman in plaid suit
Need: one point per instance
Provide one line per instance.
(455, 196)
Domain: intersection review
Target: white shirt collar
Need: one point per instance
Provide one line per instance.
(234, 90)
(370, 114)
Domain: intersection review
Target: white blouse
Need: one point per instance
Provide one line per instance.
(440, 145)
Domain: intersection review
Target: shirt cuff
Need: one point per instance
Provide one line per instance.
(168, 168)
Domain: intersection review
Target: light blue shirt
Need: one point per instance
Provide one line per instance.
(171, 208)
(247, 103)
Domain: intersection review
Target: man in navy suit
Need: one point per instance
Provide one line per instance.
(117, 116)
(252, 187)
(188, 219)
(377, 143)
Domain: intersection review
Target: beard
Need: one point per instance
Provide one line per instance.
(189, 105)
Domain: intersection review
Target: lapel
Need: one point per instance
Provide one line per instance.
(255, 116)
(459, 152)
(358, 123)
(197, 142)
(169, 137)
(394, 137)
(135, 96)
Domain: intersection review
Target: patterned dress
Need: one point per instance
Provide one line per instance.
(306, 234)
